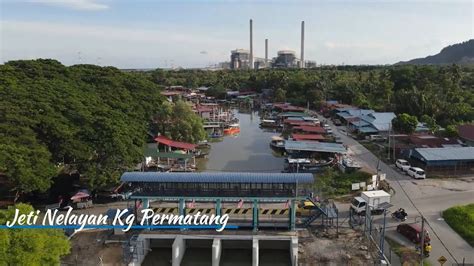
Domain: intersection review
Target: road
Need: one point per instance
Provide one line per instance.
(421, 197)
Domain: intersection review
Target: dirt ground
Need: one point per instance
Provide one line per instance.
(317, 247)
(89, 248)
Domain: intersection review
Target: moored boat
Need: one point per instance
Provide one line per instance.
(278, 143)
(269, 123)
(232, 129)
(347, 164)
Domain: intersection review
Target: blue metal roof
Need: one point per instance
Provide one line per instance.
(314, 146)
(446, 154)
(207, 177)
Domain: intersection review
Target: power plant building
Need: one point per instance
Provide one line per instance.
(285, 59)
(240, 59)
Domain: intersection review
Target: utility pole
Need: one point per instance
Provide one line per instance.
(389, 129)
(422, 240)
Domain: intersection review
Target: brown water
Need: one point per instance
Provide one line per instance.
(248, 151)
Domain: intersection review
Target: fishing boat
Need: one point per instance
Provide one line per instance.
(216, 135)
(232, 129)
(347, 164)
(278, 143)
(269, 123)
(305, 165)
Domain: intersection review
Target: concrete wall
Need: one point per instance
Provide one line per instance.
(230, 241)
(216, 252)
(179, 247)
(294, 251)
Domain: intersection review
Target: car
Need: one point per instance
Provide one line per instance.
(413, 233)
(402, 164)
(329, 131)
(416, 173)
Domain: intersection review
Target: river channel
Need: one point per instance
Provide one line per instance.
(249, 151)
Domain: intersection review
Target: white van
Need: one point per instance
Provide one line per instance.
(416, 173)
(402, 164)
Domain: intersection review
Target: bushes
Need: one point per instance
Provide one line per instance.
(461, 219)
(334, 183)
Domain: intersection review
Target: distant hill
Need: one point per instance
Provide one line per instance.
(460, 53)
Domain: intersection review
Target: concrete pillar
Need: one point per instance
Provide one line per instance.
(255, 252)
(179, 247)
(218, 207)
(255, 215)
(294, 251)
(146, 205)
(181, 207)
(216, 252)
(293, 215)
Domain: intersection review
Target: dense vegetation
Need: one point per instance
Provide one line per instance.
(461, 219)
(30, 247)
(85, 118)
(443, 93)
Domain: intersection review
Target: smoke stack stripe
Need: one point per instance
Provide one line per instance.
(266, 52)
(251, 45)
(302, 65)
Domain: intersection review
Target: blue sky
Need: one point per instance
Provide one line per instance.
(152, 33)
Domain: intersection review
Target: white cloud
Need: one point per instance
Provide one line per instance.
(117, 46)
(89, 5)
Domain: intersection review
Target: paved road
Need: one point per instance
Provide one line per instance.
(419, 199)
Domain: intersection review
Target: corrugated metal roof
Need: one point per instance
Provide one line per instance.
(206, 177)
(380, 121)
(446, 154)
(367, 129)
(314, 146)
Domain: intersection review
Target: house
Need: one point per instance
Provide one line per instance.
(466, 133)
(372, 123)
(450, 161)
(346, 115)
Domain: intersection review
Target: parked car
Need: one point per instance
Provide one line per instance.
(416, 173)
(413, 233)
(402, 164)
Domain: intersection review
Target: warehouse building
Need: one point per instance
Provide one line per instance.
(450, 161)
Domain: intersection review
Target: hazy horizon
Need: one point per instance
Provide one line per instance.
(161, 34)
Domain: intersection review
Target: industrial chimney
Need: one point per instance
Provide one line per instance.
(302, 64)
(251, 45)
(266, 52)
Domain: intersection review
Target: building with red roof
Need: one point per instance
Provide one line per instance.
(310, 137)
(466, 133)
(310, 129)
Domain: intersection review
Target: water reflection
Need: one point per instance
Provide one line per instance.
(248, 151)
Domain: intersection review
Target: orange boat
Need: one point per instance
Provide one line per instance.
(232, 129)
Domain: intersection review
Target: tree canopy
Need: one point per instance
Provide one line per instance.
(85, 118)
(30, 247)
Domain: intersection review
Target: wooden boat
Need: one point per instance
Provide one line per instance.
(278, 143)
(232, 129)
(347, 164)
(216, 135)
(269, 123)
(305, 165)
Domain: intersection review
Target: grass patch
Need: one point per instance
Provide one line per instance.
(407, 255)
(335, 183)
(461, 219)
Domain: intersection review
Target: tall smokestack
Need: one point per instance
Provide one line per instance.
(251, 45)
(302, 65)
(266, 52)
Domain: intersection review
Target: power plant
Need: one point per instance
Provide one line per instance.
(245, 59)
